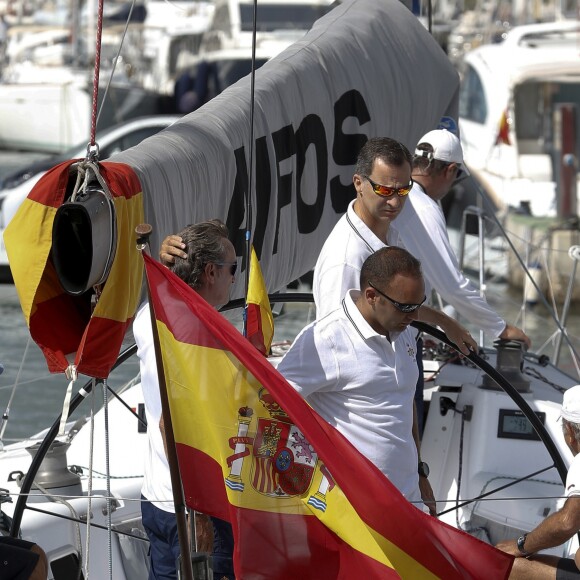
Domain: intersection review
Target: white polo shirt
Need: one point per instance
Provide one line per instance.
(157, 479)
(363, 385)
(340, 261)
(421, 229)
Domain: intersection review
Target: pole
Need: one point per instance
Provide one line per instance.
(143, 232)
(248, 240)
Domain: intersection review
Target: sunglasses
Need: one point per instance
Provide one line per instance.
(233, 266)
(386, 191)
(406, 308)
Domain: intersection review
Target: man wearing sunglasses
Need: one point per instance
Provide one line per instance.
(421, 229)
(208, 265)
(357, 367)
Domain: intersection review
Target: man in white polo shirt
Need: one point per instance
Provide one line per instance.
(357, 367)
(421, 229)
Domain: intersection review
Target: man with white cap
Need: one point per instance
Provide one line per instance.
(561, 525)
(421, 229)
(437, 163)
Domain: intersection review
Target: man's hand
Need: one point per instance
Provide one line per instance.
(514, 333)
(170, 247)
(458, 335)
(427, 495)
(509, 547)
(454, 331)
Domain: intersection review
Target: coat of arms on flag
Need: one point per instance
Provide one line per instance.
(282, 462)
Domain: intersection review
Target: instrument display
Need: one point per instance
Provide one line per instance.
(513, 424)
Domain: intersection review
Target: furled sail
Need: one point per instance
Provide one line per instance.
(366, 69)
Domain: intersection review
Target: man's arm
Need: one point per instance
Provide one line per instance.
(553, 531)
(456, 333)
(424, 485)
(422, 231)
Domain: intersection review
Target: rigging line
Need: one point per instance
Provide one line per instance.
(491, 211)
(90, 481)
(441, 500)
(96, 73)
(6, 414)
(478, 498)
(251, 173)
(126, 405)
(115, 61)
(108, 480)
(80, 521)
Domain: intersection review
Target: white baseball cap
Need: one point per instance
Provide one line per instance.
(571, 405)
(446, 147)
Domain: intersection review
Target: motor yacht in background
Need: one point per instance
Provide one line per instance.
(519, 118)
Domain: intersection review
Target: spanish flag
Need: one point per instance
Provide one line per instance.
(302, 501)
(259, 319)
(60, 323)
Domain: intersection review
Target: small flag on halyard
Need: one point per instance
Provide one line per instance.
(302, 501)
(259, 319)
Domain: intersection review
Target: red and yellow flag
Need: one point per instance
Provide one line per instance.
(303, 502)
(60, 323)
(259, 319)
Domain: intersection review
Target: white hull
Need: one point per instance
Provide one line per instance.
(483, 460)
(59, 537)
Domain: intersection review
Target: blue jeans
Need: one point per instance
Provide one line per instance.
(223, 549)
(161, 528)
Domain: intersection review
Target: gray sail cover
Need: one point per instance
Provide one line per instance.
(366, 69)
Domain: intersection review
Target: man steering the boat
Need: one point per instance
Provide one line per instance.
(560, 526)
(421, 228)
(209, 267)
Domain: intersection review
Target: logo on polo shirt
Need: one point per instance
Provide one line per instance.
(412, 351)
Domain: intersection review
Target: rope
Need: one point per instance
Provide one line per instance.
(96, 74)
(6, 414)
(108, 479)
(90, 482)
(86, 171)
(115, 64)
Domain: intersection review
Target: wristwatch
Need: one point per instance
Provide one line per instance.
(521, 541)
(423, 469)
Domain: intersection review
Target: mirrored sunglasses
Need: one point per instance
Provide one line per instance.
(386, 191)
(406, 308)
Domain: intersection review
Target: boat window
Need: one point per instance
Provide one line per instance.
(472, 103)
(272, 17)
(534, 110)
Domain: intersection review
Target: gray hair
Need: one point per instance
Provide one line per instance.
(204, 243)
